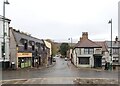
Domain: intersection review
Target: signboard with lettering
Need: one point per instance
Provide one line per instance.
(24, 54)
(98, 51)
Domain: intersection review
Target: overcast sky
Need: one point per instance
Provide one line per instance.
(62, 19)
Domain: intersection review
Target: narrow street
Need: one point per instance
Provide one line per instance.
(62, 72)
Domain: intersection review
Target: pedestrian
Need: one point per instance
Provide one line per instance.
(105, 65)
(37, 65)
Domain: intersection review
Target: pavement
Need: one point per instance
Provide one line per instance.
(32, 68)
(61, 72)
(62, 80)
(88, 68)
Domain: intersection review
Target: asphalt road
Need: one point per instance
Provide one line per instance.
(62, 68)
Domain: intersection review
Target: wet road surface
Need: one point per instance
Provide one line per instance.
(62, 68)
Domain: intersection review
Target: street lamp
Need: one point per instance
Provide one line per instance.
(110, 22)
(5, 2)
(70, 41)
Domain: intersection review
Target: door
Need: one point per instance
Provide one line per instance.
(39, 60)
(97, 61)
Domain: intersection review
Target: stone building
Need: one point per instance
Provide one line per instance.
(26, 51)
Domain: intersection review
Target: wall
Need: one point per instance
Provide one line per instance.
(6, 39)
(119, 20)
(49, 52)
(7, 53)
(13, 49)
(48, 44)
(1, 38)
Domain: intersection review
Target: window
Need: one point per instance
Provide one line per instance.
(78, 51)
(39, 48)
(84, 60)
(43, 48)
(25, 45)
(85, 51)
(33, 46)
(3, 49)
(91, 51)
(88, 50)
(115, 50)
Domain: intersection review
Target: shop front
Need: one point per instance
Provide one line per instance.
(24, 60)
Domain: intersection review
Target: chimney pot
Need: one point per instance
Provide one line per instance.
(85, 35)
(116, 39)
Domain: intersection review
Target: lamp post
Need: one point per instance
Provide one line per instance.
(70, 50)
(5, 2)
(70, 41)
(110, 22)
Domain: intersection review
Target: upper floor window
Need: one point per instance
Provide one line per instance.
(43, 48)
(78, 50)
(33, 46)
(88, 50)
(25, 45)
(115, 50)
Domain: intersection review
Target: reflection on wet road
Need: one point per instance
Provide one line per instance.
(62, 68)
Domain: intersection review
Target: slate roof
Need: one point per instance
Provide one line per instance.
(114, 44)
(86, 43)
(103, 44)
(18, 36)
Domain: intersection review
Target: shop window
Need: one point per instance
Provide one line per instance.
(83, 60)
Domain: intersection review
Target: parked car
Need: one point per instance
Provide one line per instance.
(65, 59)
(54, 60)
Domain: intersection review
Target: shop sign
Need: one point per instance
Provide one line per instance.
(24, 54)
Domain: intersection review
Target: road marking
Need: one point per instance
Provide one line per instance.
(49, 80)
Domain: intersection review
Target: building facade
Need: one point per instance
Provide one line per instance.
(87, 53)
(49, 52)
(115, 51)
(4, 62)
(26, 51)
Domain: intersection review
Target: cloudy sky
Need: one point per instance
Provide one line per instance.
(62, 19)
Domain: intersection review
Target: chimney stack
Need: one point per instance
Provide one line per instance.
(80, 38)
(85, 35)
(116, 39)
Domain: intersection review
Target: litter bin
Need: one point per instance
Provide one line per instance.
(13, 65)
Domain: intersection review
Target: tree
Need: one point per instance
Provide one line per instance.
(63, 48)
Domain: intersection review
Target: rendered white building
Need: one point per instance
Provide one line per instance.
(88, 53)
(6, 60)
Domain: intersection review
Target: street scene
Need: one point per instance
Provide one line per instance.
(59, 42)
(62, 72)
